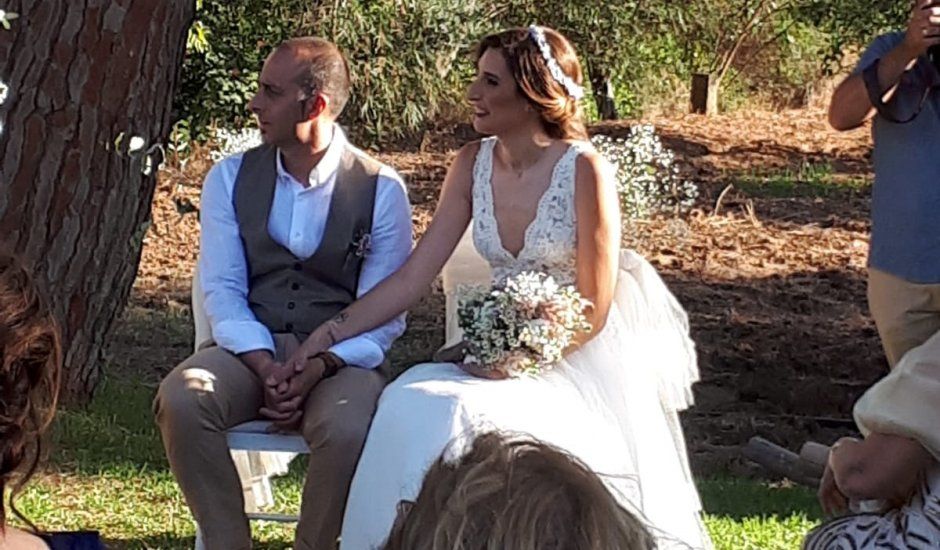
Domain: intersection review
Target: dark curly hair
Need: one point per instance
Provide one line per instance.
(30, 354)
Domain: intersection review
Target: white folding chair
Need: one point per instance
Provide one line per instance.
(258, 455)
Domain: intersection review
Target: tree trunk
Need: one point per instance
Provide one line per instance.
(705, 90)
(90, 89)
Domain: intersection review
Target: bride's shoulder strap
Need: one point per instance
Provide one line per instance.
(485, 148)
(483, 162)
(474, 151)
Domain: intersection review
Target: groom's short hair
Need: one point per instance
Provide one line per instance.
(325, 69)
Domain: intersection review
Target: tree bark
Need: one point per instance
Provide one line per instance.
(91, 86)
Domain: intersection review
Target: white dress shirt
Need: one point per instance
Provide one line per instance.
(297, 221)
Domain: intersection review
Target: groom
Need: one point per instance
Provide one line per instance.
(293, 231)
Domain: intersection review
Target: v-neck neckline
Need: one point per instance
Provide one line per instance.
(538, 209)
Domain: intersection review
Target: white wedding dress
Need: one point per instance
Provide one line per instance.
(613, 403)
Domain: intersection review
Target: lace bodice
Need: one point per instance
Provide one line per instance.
(550, 240)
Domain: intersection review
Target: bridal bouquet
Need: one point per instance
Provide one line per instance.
(521, 326)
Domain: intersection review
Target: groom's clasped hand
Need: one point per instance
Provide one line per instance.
(286, 386)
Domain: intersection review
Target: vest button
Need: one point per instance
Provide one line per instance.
(290, 305)
(297, 266)
(295, 286)
(289, 327)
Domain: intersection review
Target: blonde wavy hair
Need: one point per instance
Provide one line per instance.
(561, 113)
(515, 494)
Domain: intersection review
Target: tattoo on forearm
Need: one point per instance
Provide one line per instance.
(341, 318)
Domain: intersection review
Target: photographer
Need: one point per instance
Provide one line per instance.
(896, 82)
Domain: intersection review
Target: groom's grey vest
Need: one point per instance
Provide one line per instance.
(288, 294)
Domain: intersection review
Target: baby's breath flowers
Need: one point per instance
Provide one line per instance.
(648, 179)
(521, 326)
(230, 142)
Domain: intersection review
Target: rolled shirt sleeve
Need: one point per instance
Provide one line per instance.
(223, 269)
(391, 245)
(905, 402)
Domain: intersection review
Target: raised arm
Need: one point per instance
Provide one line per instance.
(598, 250)
(850, 106)
(403, 288)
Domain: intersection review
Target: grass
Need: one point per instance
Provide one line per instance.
(107, 472)
(809, 179)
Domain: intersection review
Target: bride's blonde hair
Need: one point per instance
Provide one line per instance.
(515, 494)
(561, 112)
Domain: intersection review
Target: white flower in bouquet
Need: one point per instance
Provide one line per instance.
(521, 326)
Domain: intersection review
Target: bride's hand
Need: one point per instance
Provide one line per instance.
(476, 370)
(319, 341)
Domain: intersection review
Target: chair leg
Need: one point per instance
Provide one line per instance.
(200, 544)
(256, 483)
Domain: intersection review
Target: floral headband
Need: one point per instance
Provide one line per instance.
(538, 36)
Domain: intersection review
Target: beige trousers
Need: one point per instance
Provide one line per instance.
(906, 313)
(212, 391)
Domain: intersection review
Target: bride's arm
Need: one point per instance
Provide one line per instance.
(598, 233)
(404, 287)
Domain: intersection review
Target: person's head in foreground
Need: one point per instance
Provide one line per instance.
(528, 78)
(29, 385)
(515, 494)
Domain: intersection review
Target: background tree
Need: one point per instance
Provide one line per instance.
(605, 34)
(88, 107)
(718, 37)
(852, 25)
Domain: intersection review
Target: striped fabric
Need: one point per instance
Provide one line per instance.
(914, 526)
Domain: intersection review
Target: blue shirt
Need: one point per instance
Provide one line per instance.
(905, 235)
(297, 220)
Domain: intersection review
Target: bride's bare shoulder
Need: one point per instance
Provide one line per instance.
(460, 173)
(468, 152)
(594, 181)
(591, 166)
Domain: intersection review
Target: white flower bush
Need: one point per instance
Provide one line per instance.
(648, 179)
(230, 142)
(521, 326)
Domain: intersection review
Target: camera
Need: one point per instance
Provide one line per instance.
(933, 54)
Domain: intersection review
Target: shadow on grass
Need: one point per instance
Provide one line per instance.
(740, 499)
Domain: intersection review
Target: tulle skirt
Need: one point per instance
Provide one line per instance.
(613, 404)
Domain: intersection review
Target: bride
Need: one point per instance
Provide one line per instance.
(540, 199)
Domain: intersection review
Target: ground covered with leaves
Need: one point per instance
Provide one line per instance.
(770, 265)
